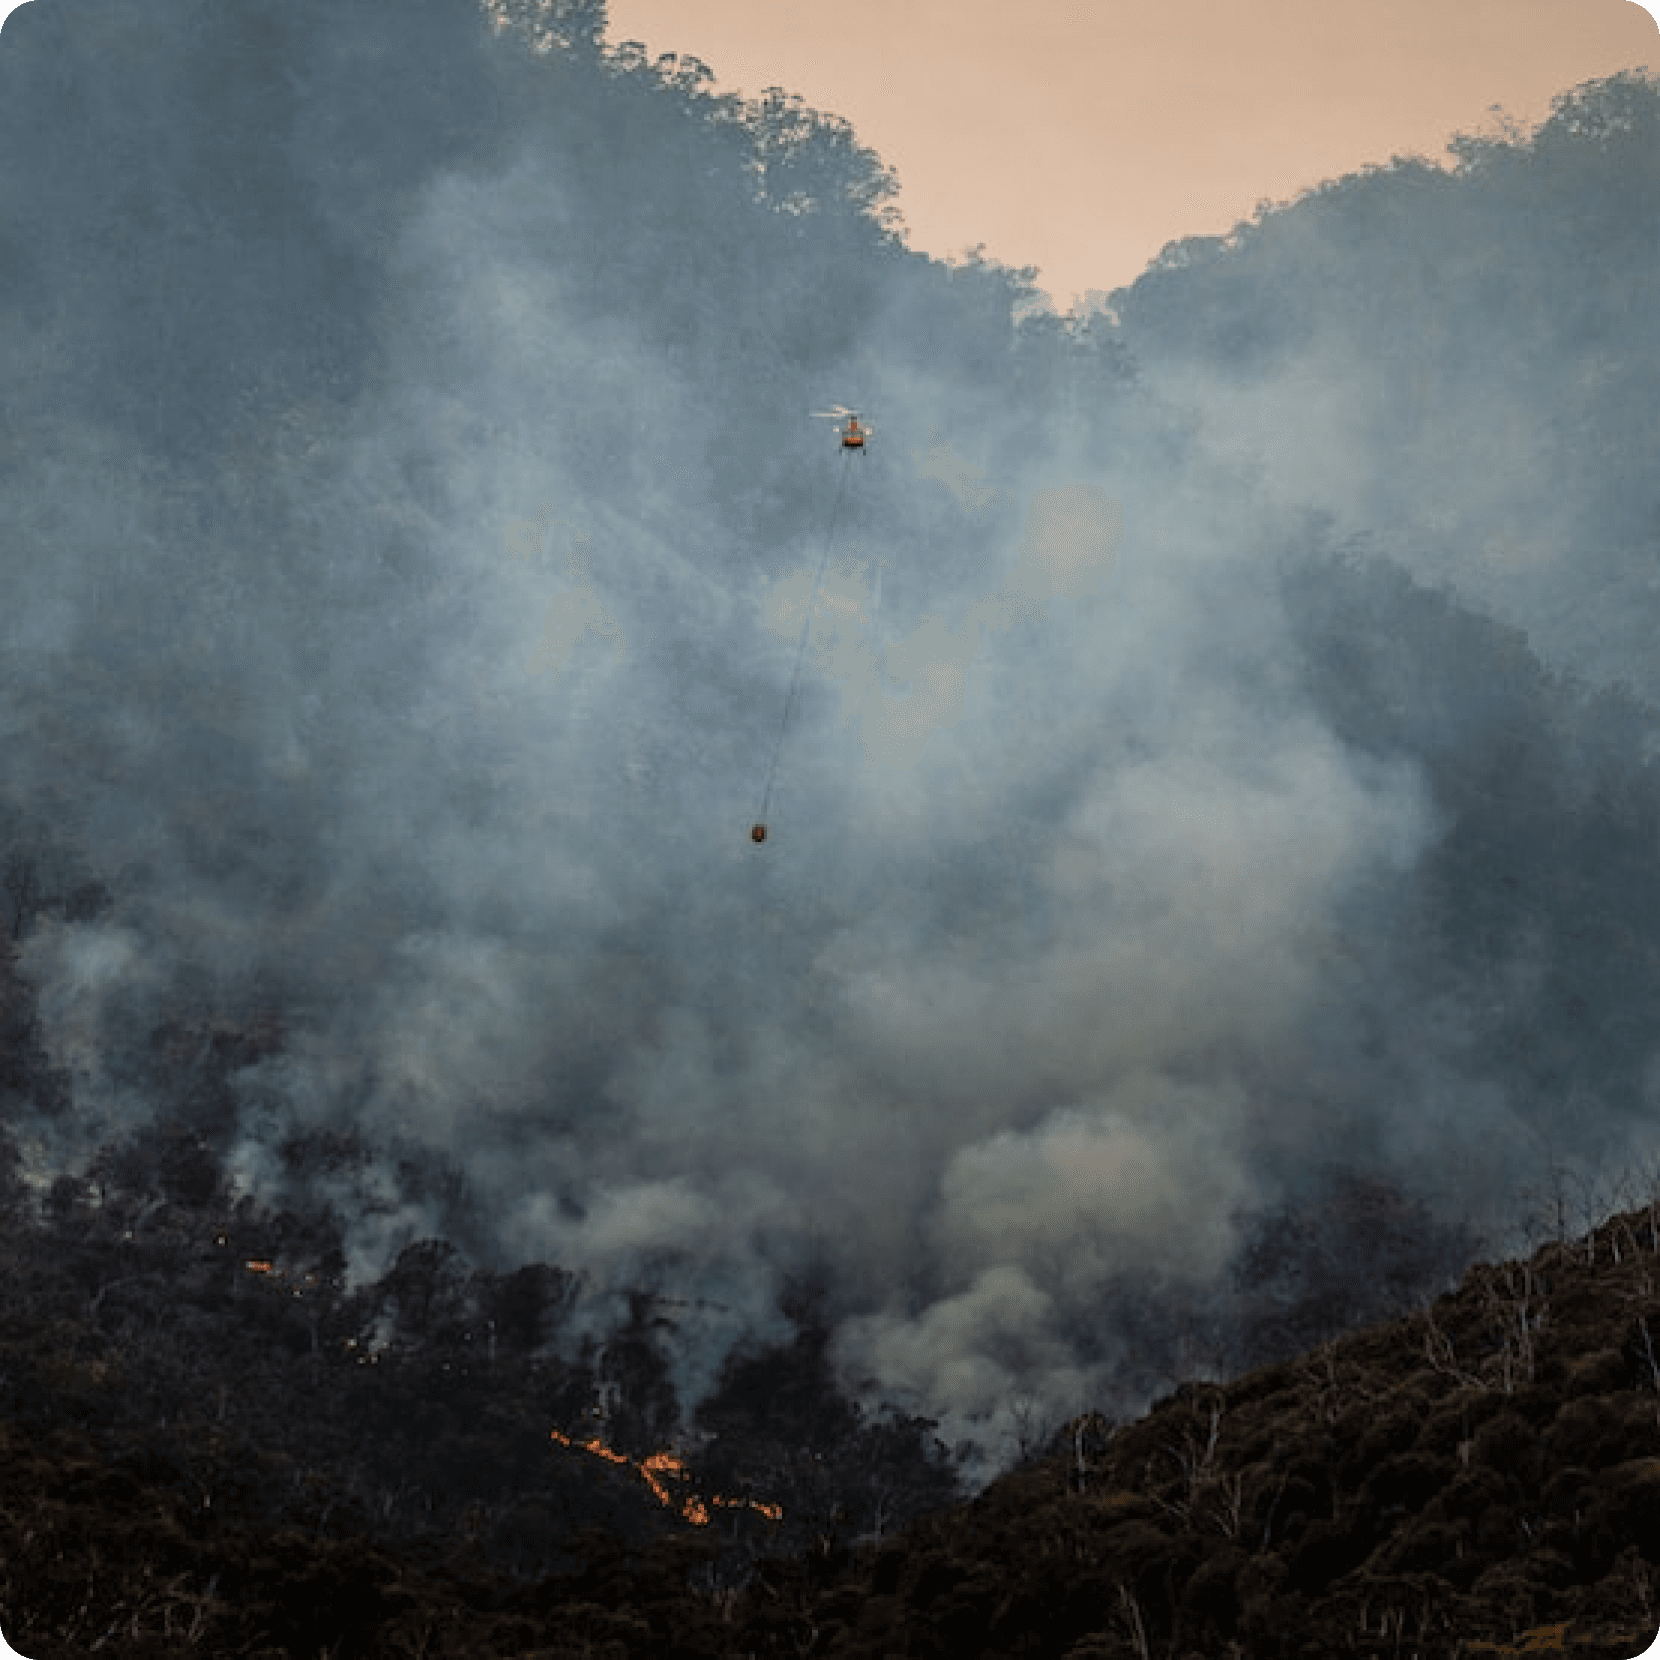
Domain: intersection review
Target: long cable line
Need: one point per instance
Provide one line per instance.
(759, 831)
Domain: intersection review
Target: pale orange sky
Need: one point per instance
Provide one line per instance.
(1080, 136)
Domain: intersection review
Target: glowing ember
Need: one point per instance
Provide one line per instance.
(654, 1468)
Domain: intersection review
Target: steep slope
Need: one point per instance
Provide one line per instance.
(1476, 1477)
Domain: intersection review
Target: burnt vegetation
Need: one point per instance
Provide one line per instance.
(212, 1445)
(192, 1395)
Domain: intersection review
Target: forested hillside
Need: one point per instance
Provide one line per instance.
(417, 1084)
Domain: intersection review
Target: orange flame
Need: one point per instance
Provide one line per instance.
(655, 1467)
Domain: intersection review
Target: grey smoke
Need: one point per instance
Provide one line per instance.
(409, 506)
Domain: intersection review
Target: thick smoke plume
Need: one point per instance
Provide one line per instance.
(410, 510)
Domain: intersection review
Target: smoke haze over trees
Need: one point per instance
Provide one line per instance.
(1307, 869)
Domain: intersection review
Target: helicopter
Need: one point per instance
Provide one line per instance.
(853, 434)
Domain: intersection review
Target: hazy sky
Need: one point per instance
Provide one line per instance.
(1081, 138)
